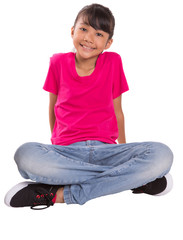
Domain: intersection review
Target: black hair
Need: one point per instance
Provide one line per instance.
(98, 17)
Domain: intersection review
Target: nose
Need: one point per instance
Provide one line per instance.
(88, 37)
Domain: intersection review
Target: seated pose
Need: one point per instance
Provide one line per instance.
(84, 160)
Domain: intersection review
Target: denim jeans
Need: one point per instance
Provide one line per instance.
(92, 169)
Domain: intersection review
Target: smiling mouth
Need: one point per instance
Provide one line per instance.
(86, 47)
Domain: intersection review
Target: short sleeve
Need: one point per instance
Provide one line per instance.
(120, 84)
(51, 82)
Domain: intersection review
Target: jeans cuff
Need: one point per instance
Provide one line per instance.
(67, 195)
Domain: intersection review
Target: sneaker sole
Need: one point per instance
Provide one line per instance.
(14, 190)
(169, 187)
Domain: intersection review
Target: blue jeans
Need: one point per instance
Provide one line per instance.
(91, 169)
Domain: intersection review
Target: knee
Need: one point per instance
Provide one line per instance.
(163, 156)
(23, 153)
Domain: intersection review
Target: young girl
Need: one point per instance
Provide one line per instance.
(86, 118)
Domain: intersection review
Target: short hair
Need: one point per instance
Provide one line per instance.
(98, 17)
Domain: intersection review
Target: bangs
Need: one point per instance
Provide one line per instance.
(97, 21)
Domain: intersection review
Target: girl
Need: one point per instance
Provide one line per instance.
(86, 118)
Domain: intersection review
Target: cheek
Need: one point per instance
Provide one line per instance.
(75, 40)
(101, 42)
(101, 45)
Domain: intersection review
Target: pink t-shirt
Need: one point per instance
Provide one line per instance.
(84, 109)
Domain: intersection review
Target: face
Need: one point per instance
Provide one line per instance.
(89, 42)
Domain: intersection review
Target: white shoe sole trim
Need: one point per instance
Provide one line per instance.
(169, 185)
(14, 190)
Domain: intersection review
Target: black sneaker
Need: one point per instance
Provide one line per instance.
(160, 186)
(31, 194)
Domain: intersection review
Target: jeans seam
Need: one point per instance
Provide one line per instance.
(91, 154)
(114, 172)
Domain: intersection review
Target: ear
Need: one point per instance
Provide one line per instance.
(109, 43)
(72, 31)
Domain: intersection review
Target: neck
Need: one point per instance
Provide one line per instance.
(85, 64)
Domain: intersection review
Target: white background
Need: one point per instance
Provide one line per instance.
(148, 35)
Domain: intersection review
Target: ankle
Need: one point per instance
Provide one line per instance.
(60, 195)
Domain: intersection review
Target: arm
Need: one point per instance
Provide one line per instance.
(120, 119)
(53, 99)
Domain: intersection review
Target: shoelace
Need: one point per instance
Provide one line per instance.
(43, 197)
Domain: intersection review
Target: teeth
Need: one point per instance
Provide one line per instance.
(86, 47)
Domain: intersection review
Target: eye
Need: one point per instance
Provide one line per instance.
(83, 29)
(99, 34)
